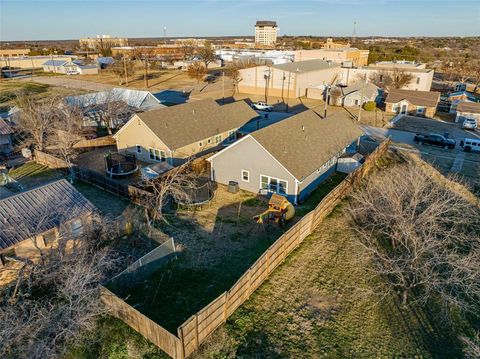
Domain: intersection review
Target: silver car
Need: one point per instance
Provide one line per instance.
(469, 124)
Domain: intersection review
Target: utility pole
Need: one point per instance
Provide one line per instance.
(146, 73)
(361, 101)
(125, 71)
(223, 87)
(288, 92)
(327, 95)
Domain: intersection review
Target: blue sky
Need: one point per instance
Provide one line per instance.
(71, 19)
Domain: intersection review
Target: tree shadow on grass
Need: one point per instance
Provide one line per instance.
(423, 325)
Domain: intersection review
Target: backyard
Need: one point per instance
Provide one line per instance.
(216, 245)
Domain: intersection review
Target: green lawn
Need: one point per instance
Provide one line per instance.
(321, 303)
(32, 174)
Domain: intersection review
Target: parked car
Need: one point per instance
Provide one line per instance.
(469, 124)
(262, 106)
(470, 144)
(435, 139)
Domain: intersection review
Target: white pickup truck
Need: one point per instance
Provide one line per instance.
(262, 106)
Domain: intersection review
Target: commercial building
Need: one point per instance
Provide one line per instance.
(348, 56)
(32, 62)
(421, 79)
(163, 51)
(102, 42)
(290, 79)
(14, 52)
(266, 33)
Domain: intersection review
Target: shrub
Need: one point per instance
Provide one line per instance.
(369, 106)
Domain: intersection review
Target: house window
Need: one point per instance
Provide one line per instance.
(156, 155)
(418, 80)
(420, 109)
(218, 139)
(245, 176)
(200, 144)
(232, 136)
(357, 102)
(272, 184)
(138, 148)
(209, 140)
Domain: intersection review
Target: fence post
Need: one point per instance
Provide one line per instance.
(196, 331)
(182, 343)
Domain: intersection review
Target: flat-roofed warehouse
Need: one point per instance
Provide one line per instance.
(289, 79)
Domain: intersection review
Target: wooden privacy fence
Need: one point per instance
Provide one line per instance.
(200, 325)
(131, 193)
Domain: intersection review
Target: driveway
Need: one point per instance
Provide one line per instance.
(65, 81)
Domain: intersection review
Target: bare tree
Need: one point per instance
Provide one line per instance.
(56, 300)
(382, 79)
(197, 70)
(233, 71)
(66, 132)
(472, 346)
(400, 78)
(178, 185)
(207, 54)
(335, 96)
(36, 118)
(422, 237)
(123, 68)
(188, 49)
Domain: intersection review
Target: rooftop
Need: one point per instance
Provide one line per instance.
(470, 107)
(304, 142)
(38, 210)
(418, 98)
(5, 129)
(266, 23)
(184, 124)
(306, 66)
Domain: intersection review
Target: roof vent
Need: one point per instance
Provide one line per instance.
(303, 128)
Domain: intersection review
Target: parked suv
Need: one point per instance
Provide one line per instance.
(435, 139)
(470, 144)
(469, 124)
(262, 106)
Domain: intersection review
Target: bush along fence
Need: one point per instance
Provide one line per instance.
(131, 193)
(199, 326)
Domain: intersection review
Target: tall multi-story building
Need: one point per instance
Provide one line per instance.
(266, 33)
(102, 42)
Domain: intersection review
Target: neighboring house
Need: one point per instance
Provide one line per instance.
(468, 110)
(6, 145)
(113, 108)
(34, 219)
(69, 68)
(418, 103)
(174, 133)
(455, 98)
(289, 79)
(291, 157)
(358, 94)
(104, 62)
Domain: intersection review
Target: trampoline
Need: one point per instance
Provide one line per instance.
(201, 194)
(118, 164)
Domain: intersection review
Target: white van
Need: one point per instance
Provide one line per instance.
(470, 144)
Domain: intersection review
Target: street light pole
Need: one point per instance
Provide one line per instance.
(223, 87)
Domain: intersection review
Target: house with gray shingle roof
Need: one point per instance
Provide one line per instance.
(174, 133)
(34, 219)
(291, 157)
